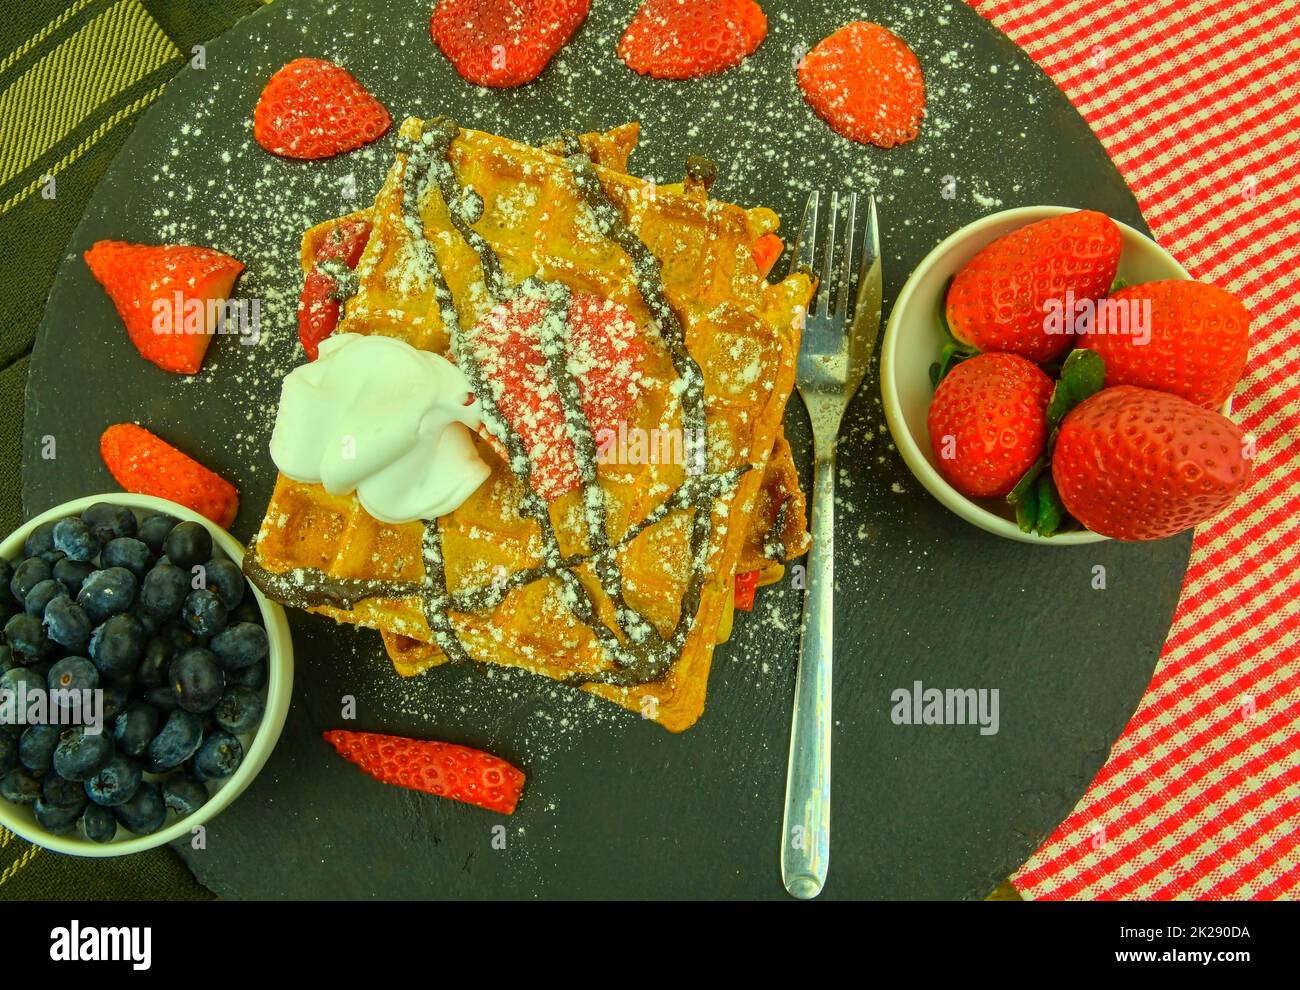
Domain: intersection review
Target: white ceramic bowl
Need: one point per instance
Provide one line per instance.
(257, 744)
(914, 338)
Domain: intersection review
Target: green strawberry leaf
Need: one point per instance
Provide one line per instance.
(1050, 511)
(1082, 375)
(1027, 510)
(1025, 486)
(1116, 285)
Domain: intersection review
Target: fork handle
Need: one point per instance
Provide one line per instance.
(806, 829)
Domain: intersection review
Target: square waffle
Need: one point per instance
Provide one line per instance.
(622, 596)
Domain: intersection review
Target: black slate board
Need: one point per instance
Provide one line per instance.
(614, 805)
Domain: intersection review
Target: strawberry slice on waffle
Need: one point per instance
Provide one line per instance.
(603, 354)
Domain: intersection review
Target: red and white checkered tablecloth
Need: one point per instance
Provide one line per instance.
(1196, 103)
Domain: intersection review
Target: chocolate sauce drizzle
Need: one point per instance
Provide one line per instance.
(646, 656)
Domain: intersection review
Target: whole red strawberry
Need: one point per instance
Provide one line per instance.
(1134, 464)
(1194, 345)
(142, 463)
(163, 294)
(319, 302)
(504, 43)
(866, 83)
(1000, 300)
(604, 352)
(988, 423)
(683, 39)
(444, 769)
(312, 108)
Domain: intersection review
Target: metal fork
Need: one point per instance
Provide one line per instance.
(833, 357)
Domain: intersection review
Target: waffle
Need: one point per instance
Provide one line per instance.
(628, 609)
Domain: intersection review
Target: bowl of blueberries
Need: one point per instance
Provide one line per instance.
(143, 680)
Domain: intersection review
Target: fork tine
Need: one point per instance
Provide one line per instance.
(870, 243)
(805, 245)
(846, 262)
(827, 276)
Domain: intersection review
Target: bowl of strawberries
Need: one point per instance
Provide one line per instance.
(1055, 376)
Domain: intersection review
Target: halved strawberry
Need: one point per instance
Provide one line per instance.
(144, 464)
(603, 353)
(504, 43)
(312, 108)
(167, 295)
(319, 302)
(746, 588)
(683, 39)
(439, 768)
(866, 83)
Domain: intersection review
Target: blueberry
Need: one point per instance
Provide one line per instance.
(149, 622)
(56, 818)
(73, 674)
(184, 795)
(109, 521)
(247, 611)
(128, 552)
(204, 612)
(218, 757)
(117, 646)
(71, 573)
(20, 787)
(135, 728)
(75, 539)
(164, 589)
(107, 592)
(179, 637)
(154, 530)
(153, 668)
(239, 710)
(82, 754)
(27, 637)
(188, 544)
(6, 575)
(40, 540)
(58, 790)
(240, 645)
(37, 745)
(180, 737)
(227, 580)
(98, 823)
(7, 660)
(116, 783)
(163, 698)
(42, 593)
(27, 575)
(67, 624)
(8, 754)
(196, 678)
(115, 701)
(21, 682)
(144, 812)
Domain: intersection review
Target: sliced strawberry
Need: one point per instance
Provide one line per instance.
(312, 108)
(504, 43)
(673, 39)
(603, 353)
(144, 464)
(319, 303)
(766, 250)
(866, 83)
(162, 293)
(439, 768)
(746, 588)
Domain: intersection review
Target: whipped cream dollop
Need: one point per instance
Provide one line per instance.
(376, 416)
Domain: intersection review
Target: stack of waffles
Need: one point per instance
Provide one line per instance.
(620, 583)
